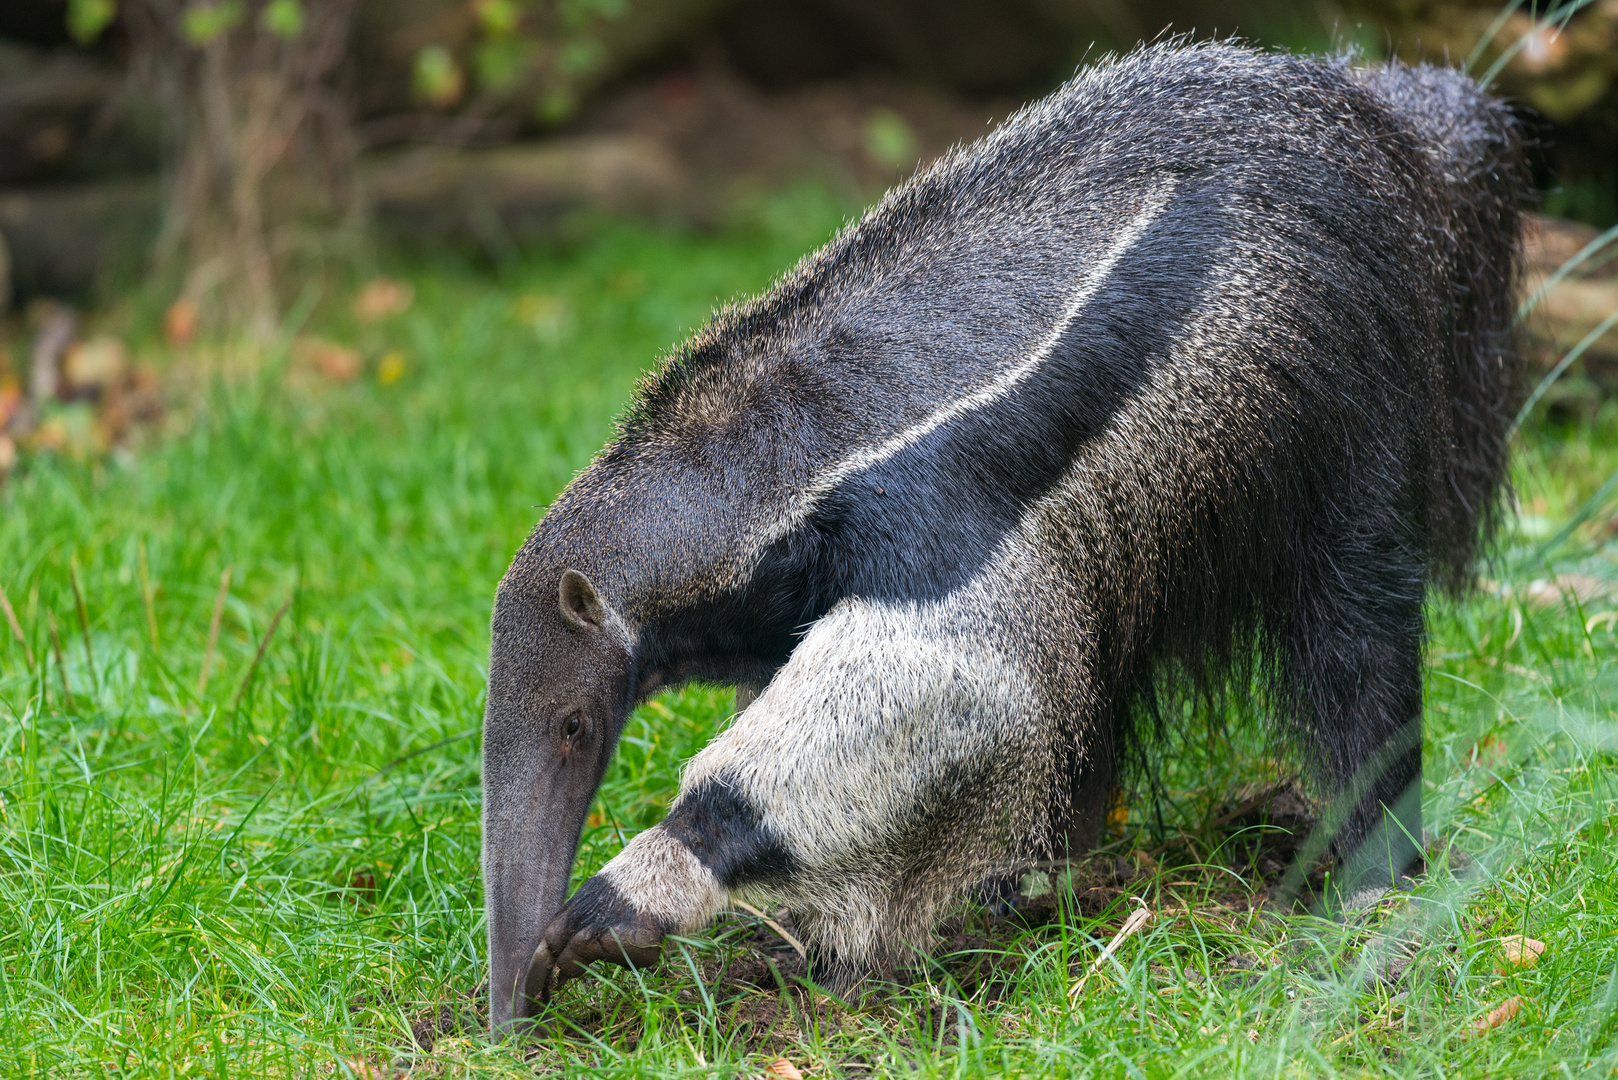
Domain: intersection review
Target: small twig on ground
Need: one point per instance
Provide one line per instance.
(61, 665)
(16, 628)
(146, 595)
(773, 925)
(264, 643)
(84, 616)
(782, 1069)
(1132, 925)
(213, 630)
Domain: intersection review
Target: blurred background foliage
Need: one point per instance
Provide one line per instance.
(228, 145)
(218, 167)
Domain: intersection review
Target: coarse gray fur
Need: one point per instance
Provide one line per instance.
(1193, 375)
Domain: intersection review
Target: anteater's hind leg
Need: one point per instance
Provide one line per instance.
(1352, 659)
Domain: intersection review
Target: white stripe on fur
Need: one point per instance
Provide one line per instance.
(804, 503)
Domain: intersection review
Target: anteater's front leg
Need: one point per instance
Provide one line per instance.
(656, 886)
(899, 754)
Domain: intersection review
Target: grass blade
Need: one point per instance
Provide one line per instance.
(16, 628)
(213, 630)
(264, 643)
(146, 598)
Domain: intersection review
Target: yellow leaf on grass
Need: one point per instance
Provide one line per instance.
(391, 368)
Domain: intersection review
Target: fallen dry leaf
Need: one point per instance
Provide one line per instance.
(784, 1069)
(1497, 1015)
(10, 400)
(332, 360)
(1520, 952)
(382, 297)
(1580, 588)
(362, 1069)
(180, 321)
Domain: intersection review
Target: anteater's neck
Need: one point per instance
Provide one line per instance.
(677, 551)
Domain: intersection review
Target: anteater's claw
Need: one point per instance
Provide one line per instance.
(538, 986)
(570, 946)
(566, 951)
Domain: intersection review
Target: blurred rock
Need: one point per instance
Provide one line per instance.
(5, 275)
(504, 196)
(96, 365)
(686, 146)
(859, 135)
(52, 104)
(65, 240)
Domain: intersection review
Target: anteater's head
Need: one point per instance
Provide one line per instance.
(559, 670)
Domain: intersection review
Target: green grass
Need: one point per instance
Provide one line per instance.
(279, 874)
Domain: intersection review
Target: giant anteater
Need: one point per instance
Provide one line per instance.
(1194, 374)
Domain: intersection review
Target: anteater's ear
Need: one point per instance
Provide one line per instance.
(581, 607)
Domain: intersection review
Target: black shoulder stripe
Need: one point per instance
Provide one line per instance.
(725, 832)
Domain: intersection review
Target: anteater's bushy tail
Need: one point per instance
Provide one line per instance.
(1476, 145)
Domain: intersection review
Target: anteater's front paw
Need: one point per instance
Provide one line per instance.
(596, 924)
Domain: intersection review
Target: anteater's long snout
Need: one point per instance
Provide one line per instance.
(525, 874)
(533, 812)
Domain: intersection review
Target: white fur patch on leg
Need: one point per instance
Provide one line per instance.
(663, 879)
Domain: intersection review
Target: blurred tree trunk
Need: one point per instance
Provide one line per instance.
(258, 128)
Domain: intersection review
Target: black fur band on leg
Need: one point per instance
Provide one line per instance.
(725, 833)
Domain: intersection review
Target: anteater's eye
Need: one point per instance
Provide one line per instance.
(574, 725)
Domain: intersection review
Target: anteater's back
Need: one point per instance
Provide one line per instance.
(1314, 262)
